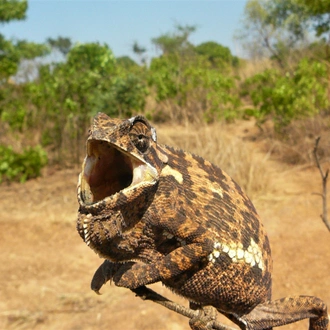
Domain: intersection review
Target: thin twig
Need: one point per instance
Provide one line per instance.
(147, 294)
(324, 176)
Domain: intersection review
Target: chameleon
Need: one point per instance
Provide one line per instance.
(160, 214)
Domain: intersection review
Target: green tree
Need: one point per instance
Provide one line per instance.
(127, 95)
(192, 89)
(273, 28)
(175, 42)
(12, 10)
(69, 93)
(61, 43)
(216, 53)
(126, 62)
(13, 52)
(295, 95)
(319, 12)
(139, 51)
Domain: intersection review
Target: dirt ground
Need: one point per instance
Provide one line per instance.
(46, 268)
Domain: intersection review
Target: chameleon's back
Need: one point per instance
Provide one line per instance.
(237, 275)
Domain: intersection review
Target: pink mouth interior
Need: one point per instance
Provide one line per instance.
(107, 171)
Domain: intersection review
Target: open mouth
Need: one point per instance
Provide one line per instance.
(108, 170)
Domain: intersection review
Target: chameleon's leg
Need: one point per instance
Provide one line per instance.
(175, 263)
(288, 310)
(196, 246)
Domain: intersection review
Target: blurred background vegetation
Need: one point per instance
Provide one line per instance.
(283, 83)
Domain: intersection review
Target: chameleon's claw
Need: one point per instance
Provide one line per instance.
(97, 292)
(102, 275)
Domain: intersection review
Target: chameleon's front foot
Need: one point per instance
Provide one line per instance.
(104, 273)
(129, 275)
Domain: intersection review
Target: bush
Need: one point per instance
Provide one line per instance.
(291, 96)
(21, 167)
(191, 89)
(127, 94)
(218, 55)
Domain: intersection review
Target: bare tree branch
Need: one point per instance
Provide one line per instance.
(324, 176)
(147, 294)
(106, 272)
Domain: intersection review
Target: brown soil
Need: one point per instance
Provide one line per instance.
(46, 268)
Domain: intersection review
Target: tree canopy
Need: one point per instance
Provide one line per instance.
(12, 52)
(216, 53)
(274, 28)
(175, 42)
(12, 10)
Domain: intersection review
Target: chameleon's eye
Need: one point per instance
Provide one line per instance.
(140, 136)
(141, 142)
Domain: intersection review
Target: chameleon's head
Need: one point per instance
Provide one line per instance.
(122, 160)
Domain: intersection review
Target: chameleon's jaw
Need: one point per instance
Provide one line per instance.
(108, 170)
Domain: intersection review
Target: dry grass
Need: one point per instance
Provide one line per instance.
(215, 143)
(251, 68)
(294, 145)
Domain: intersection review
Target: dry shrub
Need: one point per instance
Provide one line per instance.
(294, 145)
(251, 68)
(246, 166)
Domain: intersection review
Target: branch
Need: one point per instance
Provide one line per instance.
(324, 176)
(147, 294)
(106, 272)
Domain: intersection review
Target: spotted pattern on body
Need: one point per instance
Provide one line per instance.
(235, 251)
(159, 214)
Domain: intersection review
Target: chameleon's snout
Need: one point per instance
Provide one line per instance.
(108, 170)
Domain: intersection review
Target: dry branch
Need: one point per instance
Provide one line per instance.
(324, 176)
(147, 294)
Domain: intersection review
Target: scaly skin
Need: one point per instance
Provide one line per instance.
(176, 218)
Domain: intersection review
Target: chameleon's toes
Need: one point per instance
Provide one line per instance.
(103, 274)
(201, 323)
(204, 320)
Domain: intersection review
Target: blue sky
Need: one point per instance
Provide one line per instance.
(120, 23)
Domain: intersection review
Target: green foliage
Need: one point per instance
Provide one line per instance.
(217, 54)
(126, 63)
(9, 58)
(128, 94)
(12, 52)
(319, 12)
(175, 42)
(163, 76)
(12, 10)
(31, 50)
(290, 96)
(15, 118)
(196, 88)
(68, 94)
(222, 98)
(273, 28)
(62, 44)
(91, 57)
(21, 166)
(13, 107)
